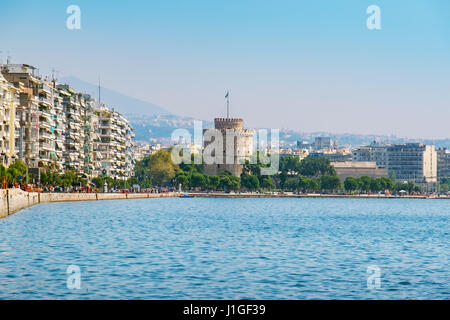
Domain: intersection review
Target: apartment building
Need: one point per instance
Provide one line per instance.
(413, 162)
(443, 163)
(24, 78)
(323, 144)
(9, 124)
(115, 146)
(333, 155)
(374, 152)
(51, 126)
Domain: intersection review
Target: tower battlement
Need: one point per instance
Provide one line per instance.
(228, 123)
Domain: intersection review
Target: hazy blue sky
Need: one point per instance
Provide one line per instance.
(306, 65)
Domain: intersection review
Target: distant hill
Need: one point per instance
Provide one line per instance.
(120, 102)
(159, 128)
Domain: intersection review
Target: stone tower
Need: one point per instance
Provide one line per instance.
(239, 140)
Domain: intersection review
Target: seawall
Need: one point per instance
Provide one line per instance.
(13, 200)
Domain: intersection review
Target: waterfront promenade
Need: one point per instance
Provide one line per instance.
(13, 200)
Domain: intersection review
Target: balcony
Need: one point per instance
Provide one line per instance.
(47, 146)
(45, 135)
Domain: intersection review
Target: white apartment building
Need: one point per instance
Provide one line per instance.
(50, 126)
(115, 145)
(9, 124)
(413, 162)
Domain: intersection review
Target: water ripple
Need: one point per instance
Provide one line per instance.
(228, 249)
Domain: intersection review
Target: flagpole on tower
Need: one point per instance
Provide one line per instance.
(228, 103)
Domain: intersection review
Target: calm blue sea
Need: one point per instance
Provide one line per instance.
(202, 248)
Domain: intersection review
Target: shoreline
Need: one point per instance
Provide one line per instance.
(14, 200)
(310, 195)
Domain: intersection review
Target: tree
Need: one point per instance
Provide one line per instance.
(289, 163)
(160, 167)
(20, 166)
(351, 184)
(255, 166)
(99, 182)
(303, 183)
(330, 183)
(250, 181)
(364, 183)
(212, 182)
(374, 185)
(235, 183)
(229, 182)
(16, 169)
(267, 183)
(283, 177)
(11, 175)
(182, 178)
(413, 187)
(392, 175)
(197, 180)
(386, 183)
(314, 167)
(291, 184)
(313, 184)
(2, 171)
(141, 170)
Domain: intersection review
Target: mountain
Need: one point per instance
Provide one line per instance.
(120, 102)
(159, 128)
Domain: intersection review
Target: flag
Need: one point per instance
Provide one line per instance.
(226, 96)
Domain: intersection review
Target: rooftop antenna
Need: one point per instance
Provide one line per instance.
(227, 96)
(54, 77)
(99, 91)
(1, 57)
(8, 58)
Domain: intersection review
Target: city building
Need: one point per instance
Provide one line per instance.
(239, 140)
(144, 149)
(412, 162)
(333, 155)
(324, 143)
(50, 126)
(25, 79)
(115, 145)
(358, 169)
(443, 163)
(50, 123)
(374, 152)
(9, 124)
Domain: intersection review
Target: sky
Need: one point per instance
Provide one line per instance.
(303, 65)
